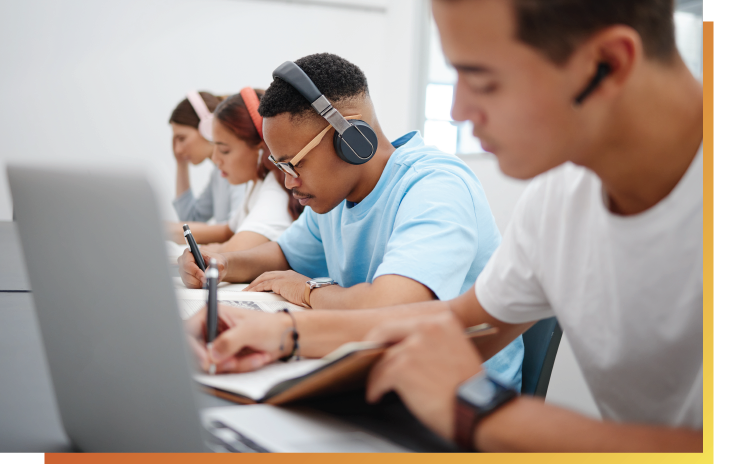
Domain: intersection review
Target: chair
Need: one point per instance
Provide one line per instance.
(541, 344)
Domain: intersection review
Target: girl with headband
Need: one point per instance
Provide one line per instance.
(191, 122)
(242, 157)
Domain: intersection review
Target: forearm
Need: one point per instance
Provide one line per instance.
(182, 177)
(245, 266)
(322, 331)
(383, 292)
(528, 424)
(210, 233)
(241, 241)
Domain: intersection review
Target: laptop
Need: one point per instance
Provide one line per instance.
(113, 337)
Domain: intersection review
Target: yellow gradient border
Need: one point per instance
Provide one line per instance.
(708, 355)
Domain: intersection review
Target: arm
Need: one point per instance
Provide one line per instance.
(241, 241)
(529, 424)
(432, 358)
(239, 266)
(322, 331)
(386, 290)
(208, 233)
(182, 177)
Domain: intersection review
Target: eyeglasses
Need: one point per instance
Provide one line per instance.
(288, 167)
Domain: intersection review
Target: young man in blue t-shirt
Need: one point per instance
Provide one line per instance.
(411, 224)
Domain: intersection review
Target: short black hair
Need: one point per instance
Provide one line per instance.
(336, 78)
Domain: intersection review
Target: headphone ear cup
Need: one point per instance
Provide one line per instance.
(205, 127)
(359, 143)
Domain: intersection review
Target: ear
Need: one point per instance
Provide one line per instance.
(618, 46)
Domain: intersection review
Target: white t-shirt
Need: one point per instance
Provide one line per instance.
(627, 290)
(264, 209)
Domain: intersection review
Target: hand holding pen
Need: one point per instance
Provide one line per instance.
(193, 247)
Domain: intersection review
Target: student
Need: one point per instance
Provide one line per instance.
(191, 122)
(241, 156)
(608, 238)
(410, 224)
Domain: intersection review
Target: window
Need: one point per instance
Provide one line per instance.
(451, 137)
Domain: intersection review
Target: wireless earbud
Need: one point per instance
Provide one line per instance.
(604, 70)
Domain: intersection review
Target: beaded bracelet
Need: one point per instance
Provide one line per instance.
(295, 336)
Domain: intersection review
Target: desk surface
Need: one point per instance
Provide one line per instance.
(13, 271)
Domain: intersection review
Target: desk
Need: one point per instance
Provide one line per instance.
(29, 421)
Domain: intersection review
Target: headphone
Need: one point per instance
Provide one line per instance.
(603, 71)
(251, 100)
(354, 140)
(203, 113)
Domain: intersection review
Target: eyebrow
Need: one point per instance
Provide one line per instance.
(283, 158)
(221, 143)
(472, 69)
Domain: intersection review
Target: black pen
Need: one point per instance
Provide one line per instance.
(211, 307)
(193, 248)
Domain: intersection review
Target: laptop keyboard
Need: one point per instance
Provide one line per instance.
(223, 439)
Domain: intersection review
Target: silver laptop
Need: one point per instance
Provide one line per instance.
(113, 337)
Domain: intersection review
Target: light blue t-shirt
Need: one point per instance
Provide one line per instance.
(427, 219)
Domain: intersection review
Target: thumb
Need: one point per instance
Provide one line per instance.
(226, 345)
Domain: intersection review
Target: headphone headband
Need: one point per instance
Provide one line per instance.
(251, 100)
(296, 77)
(355, 141)
(203, 113)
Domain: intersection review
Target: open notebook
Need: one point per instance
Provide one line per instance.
(278, 383)
(192, 300)
(344, 369)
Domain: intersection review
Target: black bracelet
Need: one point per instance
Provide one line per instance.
(295, 336)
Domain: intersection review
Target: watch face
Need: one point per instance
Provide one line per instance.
(322, 280)
(479, 391)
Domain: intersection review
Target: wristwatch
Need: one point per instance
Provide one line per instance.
(316, 282)
(478, 397)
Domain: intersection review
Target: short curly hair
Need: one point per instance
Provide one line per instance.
(336, 78)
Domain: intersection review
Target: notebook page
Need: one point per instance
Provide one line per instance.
(255, 384)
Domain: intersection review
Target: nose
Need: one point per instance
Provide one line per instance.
(215, 157)
(292, 182)
(463, 108)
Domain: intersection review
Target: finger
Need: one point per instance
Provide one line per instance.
(263, 286)
(227, 344)
(383, 376)
(191, 275)
(200, 353)
(194, 325)
(247, 363)
(262, 278)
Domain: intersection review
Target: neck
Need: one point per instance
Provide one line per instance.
(373, 169)
(655, 132)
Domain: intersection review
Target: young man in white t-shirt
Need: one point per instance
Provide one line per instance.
(592, 99)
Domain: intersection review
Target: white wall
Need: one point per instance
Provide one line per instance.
(93, 83)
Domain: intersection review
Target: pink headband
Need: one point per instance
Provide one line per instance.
(252, 103)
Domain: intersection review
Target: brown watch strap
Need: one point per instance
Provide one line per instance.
(465, 424)
(306, 295)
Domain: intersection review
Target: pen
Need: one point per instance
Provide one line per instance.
(211, 307)
(193, 247)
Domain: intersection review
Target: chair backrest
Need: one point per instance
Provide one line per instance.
(541, 344)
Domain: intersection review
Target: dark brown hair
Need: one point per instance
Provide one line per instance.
(557, 27)
(185, 115)
(233, 114)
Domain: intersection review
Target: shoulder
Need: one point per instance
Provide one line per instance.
(424, 164)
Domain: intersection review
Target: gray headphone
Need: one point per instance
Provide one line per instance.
(354, 140)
